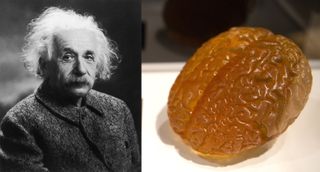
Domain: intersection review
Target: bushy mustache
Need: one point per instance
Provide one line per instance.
(78, 81)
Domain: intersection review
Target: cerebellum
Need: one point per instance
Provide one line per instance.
(240, 90)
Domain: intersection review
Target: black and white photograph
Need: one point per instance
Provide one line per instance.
(70, 85)
(159, 85)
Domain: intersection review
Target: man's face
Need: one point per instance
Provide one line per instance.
(73, 66)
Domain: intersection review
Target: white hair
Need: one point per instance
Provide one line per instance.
(39, 40)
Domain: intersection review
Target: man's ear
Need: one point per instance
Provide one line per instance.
(42, 67)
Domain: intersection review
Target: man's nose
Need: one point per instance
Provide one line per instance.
(79, 68)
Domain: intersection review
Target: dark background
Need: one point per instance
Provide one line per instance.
(120, 19)
(197, 21)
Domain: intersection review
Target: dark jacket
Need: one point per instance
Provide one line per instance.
(40, 134)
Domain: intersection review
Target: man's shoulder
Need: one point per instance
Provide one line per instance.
(22, 108)
(25, 104)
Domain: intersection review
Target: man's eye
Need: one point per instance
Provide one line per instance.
(89, 57)
(67, 57)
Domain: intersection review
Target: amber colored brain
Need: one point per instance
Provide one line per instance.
(239, 90)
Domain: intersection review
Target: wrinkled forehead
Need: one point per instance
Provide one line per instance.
(78, 40)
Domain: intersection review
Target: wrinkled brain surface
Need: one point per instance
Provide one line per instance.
(241, 89)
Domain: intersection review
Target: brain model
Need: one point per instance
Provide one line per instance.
(239, 91)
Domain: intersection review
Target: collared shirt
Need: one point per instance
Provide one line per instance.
(41, 134)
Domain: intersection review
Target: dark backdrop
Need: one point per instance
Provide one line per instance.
(120, 19)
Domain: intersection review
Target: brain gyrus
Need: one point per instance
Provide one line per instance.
(239, 90)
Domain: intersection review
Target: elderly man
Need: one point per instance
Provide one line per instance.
(65, 125)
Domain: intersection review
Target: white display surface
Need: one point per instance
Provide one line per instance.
(297, 150)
